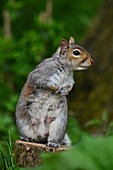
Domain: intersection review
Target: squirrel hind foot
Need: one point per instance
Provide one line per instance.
(26, 139)
(52, 144)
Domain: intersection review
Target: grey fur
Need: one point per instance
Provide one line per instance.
(42, 111)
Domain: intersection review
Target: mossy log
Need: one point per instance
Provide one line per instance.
(27, 154)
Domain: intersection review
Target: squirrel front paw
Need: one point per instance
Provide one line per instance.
(52, 86)
(64, 91)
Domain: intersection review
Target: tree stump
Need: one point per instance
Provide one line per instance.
(27, 154)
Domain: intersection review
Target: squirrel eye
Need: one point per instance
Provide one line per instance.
(76, 52)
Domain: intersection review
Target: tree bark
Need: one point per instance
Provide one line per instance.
(94, 89)
(27, 154)
(46, 16)
(7, 24)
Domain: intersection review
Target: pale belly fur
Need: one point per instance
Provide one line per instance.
(43, 108)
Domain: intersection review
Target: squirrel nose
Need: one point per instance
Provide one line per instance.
(91, 60)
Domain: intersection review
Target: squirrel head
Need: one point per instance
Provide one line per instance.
(76, 54)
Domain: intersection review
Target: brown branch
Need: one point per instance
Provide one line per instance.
(7, 24)
(46, 15)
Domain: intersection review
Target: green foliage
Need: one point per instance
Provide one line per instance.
(7, 124)
(74, 130)
(18, 59)
(104, 123)
(76, 15)
(7, 161)
(31, 42)
(13, 7)
(92, 153)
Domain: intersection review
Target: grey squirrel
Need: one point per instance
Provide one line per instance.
(42, 111)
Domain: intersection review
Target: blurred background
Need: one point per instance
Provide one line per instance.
(31, 31)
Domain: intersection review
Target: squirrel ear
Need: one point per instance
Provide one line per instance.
(71, 40)
(63, 46)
